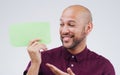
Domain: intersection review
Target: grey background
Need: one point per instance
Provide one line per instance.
(104, 39)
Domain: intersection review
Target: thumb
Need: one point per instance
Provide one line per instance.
(70, 72)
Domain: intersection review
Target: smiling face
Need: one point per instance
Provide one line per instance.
(73, 28)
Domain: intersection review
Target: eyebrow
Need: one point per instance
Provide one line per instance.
(69, 20)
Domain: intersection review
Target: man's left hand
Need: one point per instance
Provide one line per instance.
(57, 71)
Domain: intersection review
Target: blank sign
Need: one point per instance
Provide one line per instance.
(22, 33)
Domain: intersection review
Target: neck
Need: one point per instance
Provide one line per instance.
(78, 48)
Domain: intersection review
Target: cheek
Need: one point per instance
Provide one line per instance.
(73, 30)
(60, 30)
(79, 33)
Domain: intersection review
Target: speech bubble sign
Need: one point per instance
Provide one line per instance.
(22, 33)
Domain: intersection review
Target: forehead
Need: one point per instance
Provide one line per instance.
(76, 14)
(69, 15)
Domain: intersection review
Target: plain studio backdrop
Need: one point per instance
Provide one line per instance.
(104, 39)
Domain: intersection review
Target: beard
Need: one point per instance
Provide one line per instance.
(76, 41)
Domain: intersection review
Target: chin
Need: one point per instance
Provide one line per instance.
(67, 46)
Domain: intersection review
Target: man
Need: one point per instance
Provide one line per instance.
(73, 58)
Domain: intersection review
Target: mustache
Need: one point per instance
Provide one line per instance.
(67, 35)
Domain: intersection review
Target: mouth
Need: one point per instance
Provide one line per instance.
(66, 38)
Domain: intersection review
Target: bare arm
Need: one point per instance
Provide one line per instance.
(34, 69)
(35, 56)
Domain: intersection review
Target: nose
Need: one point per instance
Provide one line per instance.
(64, 30)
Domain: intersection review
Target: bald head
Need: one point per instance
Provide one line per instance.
(78, 11)
(75, 25)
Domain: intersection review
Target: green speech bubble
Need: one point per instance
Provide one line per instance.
(22, 33)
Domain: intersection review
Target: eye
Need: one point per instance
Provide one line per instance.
(61, 24)
(71, 24)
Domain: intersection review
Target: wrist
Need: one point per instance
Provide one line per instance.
(35, 63)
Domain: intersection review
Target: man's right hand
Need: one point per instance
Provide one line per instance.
(34, 48)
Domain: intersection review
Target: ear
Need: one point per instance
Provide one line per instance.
(88, 28)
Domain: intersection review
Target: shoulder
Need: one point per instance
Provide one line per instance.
(95, 56)
(102, 61)
(52, 53)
